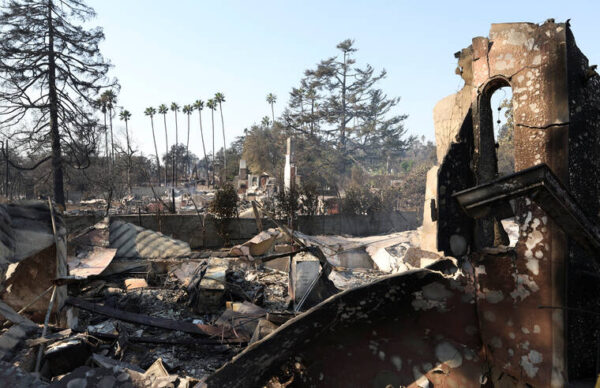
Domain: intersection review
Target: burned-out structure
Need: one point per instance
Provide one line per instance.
(546, 287)
(503, 314)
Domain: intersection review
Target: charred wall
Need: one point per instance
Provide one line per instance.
(556, 110)
(455, 229)
(583, 290)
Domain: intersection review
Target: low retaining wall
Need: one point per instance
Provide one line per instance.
(189, 228)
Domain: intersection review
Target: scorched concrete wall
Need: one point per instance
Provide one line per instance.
(188, 227)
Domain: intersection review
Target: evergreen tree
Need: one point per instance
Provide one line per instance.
(348, 89)
(51, 72)
(338, 107)
(378, 138)
(304, 113)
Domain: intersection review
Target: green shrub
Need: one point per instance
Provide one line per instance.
(287, 203)
(361, 201)
(224, 208)
(309, 199)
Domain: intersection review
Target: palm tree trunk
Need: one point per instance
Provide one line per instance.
(224, 147)
(273, 113)
(128, 157)
(212, 119)
(203, 147)
(175, 153)
(156, 152)
(106, 140)
(167, 150)
(112, 140)
(187, 149)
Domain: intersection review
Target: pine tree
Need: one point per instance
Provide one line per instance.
(348, 88)
(51, 72)
(339, 107)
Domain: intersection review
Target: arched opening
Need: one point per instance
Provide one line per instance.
(497, 152)
(502, 111)
(496, 130)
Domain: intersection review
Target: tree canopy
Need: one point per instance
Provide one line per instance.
(338, 118)
(51, 75)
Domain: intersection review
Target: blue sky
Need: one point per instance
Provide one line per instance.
(188, 49)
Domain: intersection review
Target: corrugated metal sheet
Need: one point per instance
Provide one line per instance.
(132, 241)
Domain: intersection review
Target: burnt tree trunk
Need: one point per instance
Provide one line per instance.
(57, 165)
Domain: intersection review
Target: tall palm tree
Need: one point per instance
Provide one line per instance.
(125, 115)
(150, 111)
(220, 98)
(163, 110)
(265, 122)
(175, 109)
(212, 105)
(101, 104)
(111, 101)
(272, 99)
(187, 110)
(199, 105)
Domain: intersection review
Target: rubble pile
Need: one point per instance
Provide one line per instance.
(138, 308)
(145, 200)
(501, 290)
